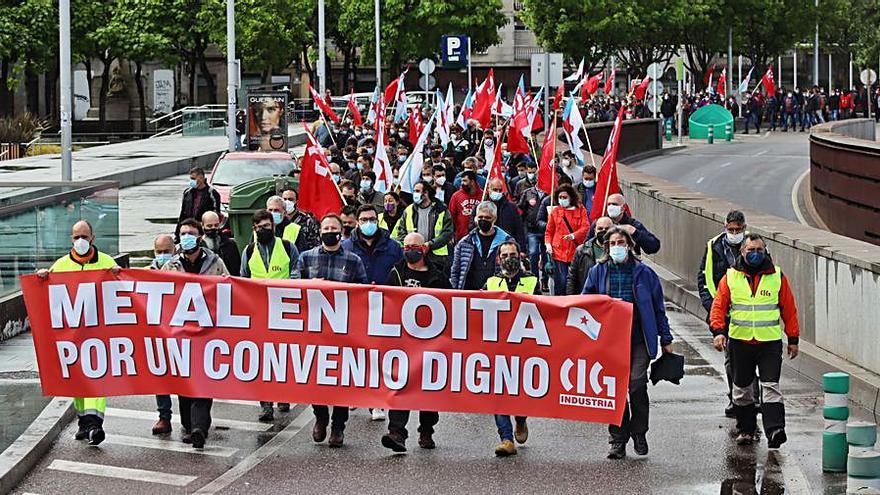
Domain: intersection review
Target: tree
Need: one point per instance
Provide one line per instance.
(28, 36)
(765, 29)
(559, 26)
(86, 18)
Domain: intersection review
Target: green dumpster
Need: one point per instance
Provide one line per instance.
(715, 116)
(248, 197)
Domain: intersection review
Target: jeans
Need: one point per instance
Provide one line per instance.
(397, 421)
(560, 278)
(340, 416)
(195, 413)
(635, 415)
(163, 405)
(505, 426)
(535, 242)
(767, 356)
(835, 114)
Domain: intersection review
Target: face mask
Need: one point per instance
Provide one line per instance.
(369, 228)
(289, 206)
(360, 166)
(276, 217)
(510, 265)
(347, 230)
(188, 242)
(505, 155)
(564, 202)
(440, 180)
(417, 198)
(401, 158)
(369, 151)
(496, 195)
(413, 256)
(265, 235)
(531, 175)
(614, 211)
(366, 185)
(81, 246)
(193, 184)
(521, 173)
(589, 183)
(618, 253)
(336, 178)
(485, 226)
(389, 207)
(428, 178)
(600, 237)
(755, 258)
(735, 239)
(566, 163)
(162, 258)
(212, 233)
(330, 239)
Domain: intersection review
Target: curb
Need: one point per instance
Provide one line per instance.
(812, 361)
(27, 450)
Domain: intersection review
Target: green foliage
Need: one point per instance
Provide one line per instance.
(20, 128)
(28, 33)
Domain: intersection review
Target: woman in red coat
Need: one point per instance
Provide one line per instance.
(567, 228)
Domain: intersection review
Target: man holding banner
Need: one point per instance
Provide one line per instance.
(85, 256)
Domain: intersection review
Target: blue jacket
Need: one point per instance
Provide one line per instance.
(379, 261)
(649, 301)
(465, 251)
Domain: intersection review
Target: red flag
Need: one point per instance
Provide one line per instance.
(708, 76)
(322, 104)
(769, 82)
(355, 112)
(391, 89)
(640, 90)
(318, 193)
(416, 123)
(557, 100)
(591, 86)
(495, 169)
(606, 183)
(546, 172)
(609, 83)
(516, 140)
(484, 99)
(721, 89)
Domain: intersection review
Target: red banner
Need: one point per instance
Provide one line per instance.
(309, 341)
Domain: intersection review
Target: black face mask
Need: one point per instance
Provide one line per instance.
(511, 265)
(331, 239)
(413, 255)
(348, 229)
(265, 236)
(600, 237)
(212, 233)
(485, 226)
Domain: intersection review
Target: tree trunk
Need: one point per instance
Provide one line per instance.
(309, 68)
(141, 100)
(32, 90)
(51, 78)
(6, 95)
(102, 96)
(209, 79)
(346, 67)
(191, 96)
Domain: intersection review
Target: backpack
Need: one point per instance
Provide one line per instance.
(789, 103)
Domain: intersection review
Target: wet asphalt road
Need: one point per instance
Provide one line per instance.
(691, 450)
(758, 171)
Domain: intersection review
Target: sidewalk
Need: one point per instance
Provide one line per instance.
(21, 399)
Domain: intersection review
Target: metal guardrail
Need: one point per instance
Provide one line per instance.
(37, 196)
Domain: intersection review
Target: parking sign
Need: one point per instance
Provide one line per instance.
(454, 51)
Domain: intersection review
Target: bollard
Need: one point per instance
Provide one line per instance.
(863, 471)
(668, 130)
(728, 132)
(710, 134)
(836, 412)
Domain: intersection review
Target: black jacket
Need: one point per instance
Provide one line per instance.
(644, 239)
(508, 219)
(210, 201)
(228, 252)
(720, 264)
(437, 278)
(579, 268)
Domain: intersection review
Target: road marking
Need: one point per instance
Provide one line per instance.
(222, 423)
(760, 153)
(174, 446)
(700, 180)
(251, 461)
(122, 473)
(726, 164)
(238, 402)
(796, 482)
(795, 204)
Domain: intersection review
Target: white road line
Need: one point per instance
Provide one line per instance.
(795, 204)
(222, 423)
(700, 180)
(122, 473)
(251, 461)
(796, 482)
(238, 402)
(172, 445)
(760, 153)
(726, 164)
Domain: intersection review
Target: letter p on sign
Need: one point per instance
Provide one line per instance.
(454, 51)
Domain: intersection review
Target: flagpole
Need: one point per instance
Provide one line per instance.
(329, 131)
(590, 147)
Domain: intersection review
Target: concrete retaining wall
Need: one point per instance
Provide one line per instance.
(836, 279)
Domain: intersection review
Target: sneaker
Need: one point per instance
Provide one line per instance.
(162, 427)
(617, 451)
(745, 439)
(505, 448)
(319, 432)
(283, 407)
(377, 414)
(96, 435)
(336, 439)
(776, 439)
(426, 441)
(266, 414)
(640, 444)
(198, 438)
(186, 438)
(81, 434)
(521, 433)
(394, 441)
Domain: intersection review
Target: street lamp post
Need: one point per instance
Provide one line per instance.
(231, 75)
(816, 51)
(322, 76)
(66, 90)
(378, 49)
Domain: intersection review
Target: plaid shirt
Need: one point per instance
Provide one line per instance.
(335, 266)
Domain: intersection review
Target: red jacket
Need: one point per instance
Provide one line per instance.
(461, 207)
(579, 221)
(787, 308)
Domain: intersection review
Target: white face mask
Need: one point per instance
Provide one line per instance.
(735, 239)
(81, 246)
(614, 211)
(440, 180)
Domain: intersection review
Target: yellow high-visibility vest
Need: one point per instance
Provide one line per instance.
(709, 269)
(755, 317)
(67, 264)
(526, 284)
(409, 214)
(279, 262)
(291, 232)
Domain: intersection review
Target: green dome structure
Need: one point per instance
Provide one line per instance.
(714, 116)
